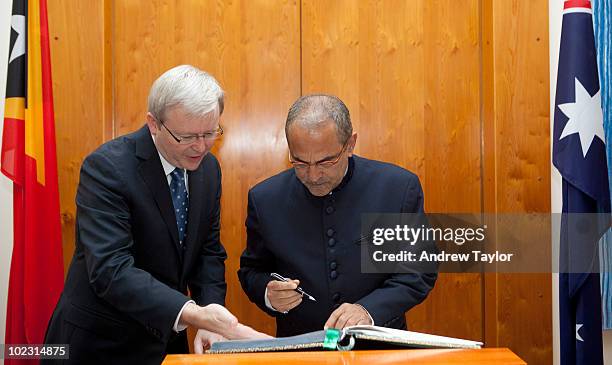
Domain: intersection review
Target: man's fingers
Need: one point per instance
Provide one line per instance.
(347, 315)
(286, 305)
(334, 318)
(204, 339)
(341, 322)
(365, 321)
(248, 332)
(294, 303)
(281, 285)
(352, 319)
(331, 321)
(198, 345)
(284, 294)
(290, 299)
(245, 332)
(281, 300)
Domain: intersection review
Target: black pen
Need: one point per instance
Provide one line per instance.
(298, 289)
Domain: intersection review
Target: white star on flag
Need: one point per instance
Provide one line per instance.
(18, 24)
(585, 117)
(578, 327)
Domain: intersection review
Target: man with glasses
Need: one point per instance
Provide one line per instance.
(305, 224)
(147, 232)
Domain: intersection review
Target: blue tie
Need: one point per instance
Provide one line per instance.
(180, 200)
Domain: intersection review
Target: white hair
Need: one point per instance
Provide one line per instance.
(197, 92)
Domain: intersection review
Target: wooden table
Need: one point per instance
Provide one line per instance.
(496, 356)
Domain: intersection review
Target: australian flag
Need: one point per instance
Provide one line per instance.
(579, 153)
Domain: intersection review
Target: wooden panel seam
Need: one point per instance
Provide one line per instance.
(108, 99)
(488, 161)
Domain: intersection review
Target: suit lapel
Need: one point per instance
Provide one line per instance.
(151, 171)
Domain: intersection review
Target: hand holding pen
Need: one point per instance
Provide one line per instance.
(285, 294)
(298, 289)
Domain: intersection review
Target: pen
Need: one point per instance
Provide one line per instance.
(298, 289)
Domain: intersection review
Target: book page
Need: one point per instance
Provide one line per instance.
(377, 333)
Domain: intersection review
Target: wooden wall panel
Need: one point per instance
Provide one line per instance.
(78, 62)
(518, 307)
(409, 73)
(452, 159)
(391, 83)
(330, 52)
(256, 62)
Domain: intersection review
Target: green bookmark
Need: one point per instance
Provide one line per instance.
(332, 336)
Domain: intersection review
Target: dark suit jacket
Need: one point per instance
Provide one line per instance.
(317, 240)
(128, 278)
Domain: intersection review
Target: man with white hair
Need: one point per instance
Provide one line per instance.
(147, 231)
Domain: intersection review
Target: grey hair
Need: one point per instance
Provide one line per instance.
(189, 87)
(311, 111)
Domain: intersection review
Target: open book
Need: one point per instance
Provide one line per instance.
(355, 337)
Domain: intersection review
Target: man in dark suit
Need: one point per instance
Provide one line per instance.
(147, 231)
(304, 224)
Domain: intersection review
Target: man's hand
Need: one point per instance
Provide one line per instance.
(213, 318)
(204, 339)
(242, 332)
(217, 324)
(282, 295)
(348, 315)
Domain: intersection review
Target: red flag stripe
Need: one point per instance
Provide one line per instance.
(577, 4)
(13, 149)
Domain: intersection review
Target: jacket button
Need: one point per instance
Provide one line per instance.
(336, 297)
(329, 209)
(330, 232)
(333, 265)
(331, 242)
(333, 274)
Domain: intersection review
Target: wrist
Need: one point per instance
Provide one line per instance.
(189, 315)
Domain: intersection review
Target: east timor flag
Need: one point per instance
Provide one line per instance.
(29, 160)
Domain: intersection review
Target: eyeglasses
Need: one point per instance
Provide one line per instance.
(302, 166)
(191, 138)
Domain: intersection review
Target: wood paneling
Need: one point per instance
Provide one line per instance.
(517, 145)
(394, 64)
(455, 91)
(452, 159)
(78, 64)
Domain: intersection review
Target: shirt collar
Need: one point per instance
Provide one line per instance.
(167, 166)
